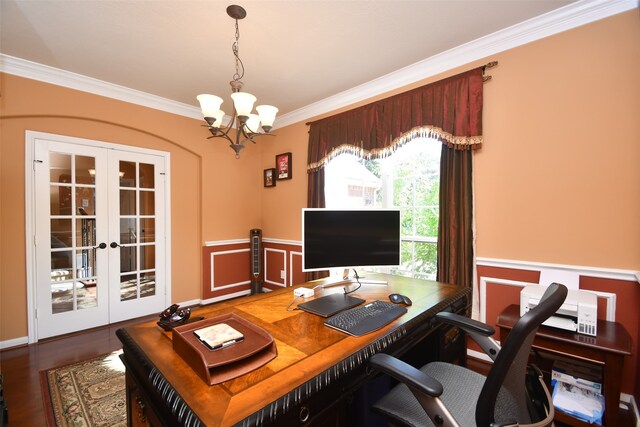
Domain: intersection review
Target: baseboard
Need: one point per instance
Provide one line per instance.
(632, 406)
(16, 342)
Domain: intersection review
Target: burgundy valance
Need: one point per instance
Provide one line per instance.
(449, 110)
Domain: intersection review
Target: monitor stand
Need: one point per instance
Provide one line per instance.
(346, 280)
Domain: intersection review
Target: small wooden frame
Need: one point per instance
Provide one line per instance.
(283, 166)
(269, 177)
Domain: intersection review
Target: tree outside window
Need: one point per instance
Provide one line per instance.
(408, 180)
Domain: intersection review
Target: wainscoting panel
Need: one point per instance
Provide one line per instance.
(226, 267)
(226, 270)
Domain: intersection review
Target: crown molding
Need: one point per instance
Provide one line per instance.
(44, 73)
(568, 17)
(571, 16)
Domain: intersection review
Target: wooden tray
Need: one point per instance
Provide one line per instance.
(216, 366)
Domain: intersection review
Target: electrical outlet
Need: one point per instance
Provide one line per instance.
(282, 275)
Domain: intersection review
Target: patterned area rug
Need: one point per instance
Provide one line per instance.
(89, 393)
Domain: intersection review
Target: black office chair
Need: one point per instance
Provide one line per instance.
(443, 394)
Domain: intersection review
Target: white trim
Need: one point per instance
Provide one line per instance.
(630, 399)
(44, 73)
(284, 258)
(15, 342)
(227, 242)
(283, 242)
(225, 297)
(600, 272)
(291, 255)
(483, 291)
(212, 286)
(563, 19)
(190, 303)
(30, 234)
(610, 297)
(167, 231)
(30, 141)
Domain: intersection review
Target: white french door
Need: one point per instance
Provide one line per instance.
(99, 234)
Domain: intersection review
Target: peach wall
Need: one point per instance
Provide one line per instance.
(213, 195)
(557, 178)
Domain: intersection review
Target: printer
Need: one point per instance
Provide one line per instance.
(578, 313)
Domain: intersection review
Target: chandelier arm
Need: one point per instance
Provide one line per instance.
(250, 137)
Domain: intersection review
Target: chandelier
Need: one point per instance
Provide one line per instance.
(247, 124)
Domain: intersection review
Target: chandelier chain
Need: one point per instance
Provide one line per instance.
(236, 52)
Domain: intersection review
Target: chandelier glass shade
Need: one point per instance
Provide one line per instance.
(248, 125)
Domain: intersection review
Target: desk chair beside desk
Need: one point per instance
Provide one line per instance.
(315, 370)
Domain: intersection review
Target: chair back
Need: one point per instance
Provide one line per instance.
(504, 396)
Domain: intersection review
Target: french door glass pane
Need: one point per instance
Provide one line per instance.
(61, 265)
(128, 260)
(60, 166)
(147, 199)
(87, 297)
(62, 297)
(147, 257)
(127, 174)
(127, 202)
(85, 170)
(60, 199)
(147, 175)
(147, 230)
(86, 200)
(85, 263)
(61, 236)
(128, 287)
(128, 231)
(147, 284)
(85, 232)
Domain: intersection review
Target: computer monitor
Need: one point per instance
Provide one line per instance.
(334, 238)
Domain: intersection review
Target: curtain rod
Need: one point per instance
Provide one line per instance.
(484, 78)
(485, 67)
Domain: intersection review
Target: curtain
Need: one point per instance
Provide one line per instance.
(455, 225)
(450, 111)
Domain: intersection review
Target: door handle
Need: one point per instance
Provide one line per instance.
(100, 246)
(115, 245)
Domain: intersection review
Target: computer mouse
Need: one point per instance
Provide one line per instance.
(400, 299)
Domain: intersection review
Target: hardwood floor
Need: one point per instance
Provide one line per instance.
(21, 366)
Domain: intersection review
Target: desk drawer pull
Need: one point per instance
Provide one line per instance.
(304, 414)
(142, 417)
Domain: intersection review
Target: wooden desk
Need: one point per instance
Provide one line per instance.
(607, 349)
(316, 366)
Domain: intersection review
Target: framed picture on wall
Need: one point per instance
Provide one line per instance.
(283, 166)
(269, 176)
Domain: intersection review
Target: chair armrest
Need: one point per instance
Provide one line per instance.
(469, 325)
(412, 377)
(480, 332)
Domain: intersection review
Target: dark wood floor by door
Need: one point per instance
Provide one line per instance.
(20, 368)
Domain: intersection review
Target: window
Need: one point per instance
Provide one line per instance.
(408, 180)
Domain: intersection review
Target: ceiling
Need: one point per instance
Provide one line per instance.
(296, 53)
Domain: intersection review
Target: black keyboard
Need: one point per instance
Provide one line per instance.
(367, 318)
